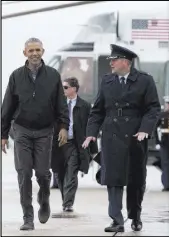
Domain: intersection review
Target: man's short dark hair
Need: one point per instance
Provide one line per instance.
(33, 40)
(73, 82)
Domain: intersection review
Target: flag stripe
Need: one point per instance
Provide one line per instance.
(150, 32)
(151, 37)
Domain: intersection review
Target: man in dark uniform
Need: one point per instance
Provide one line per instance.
(35, 100)
(127, 107)
(163, 143)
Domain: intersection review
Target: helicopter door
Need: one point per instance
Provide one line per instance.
(103, 66)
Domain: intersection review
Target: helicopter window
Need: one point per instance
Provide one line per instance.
(55, 62)
(97, 25)
(106, 22)
(82, 69)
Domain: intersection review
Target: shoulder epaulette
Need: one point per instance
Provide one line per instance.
(145, 73)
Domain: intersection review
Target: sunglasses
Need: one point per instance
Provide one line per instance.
(66, 87)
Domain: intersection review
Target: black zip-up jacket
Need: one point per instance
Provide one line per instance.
(34, 104)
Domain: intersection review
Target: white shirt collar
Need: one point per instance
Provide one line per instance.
(125, 76)
(73, 100)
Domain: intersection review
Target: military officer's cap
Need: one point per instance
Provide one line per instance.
(121, 52)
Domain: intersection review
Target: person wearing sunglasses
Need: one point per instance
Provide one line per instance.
(72, 157)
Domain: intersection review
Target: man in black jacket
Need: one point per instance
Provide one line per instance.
(71, 158)
(127, 108)
(35, 99)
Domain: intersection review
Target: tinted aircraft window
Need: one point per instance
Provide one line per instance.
(103, 66)
(55, 62)
(82, 69)
(105, 21)
(100, 24)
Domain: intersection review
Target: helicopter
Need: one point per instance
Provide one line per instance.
(86, 57)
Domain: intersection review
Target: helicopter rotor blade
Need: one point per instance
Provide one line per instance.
(11, 2)
(51, 8)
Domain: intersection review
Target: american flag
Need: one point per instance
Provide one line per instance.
(155, 29)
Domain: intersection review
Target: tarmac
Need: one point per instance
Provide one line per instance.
(91, 207)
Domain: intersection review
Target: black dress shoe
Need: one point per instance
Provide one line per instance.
(165, 189)
(44, 212)
(114, 228)
(27, 226)
(136, 225)
(68, 209)
(54, 187)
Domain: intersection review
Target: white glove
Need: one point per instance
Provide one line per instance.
(157, 147)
